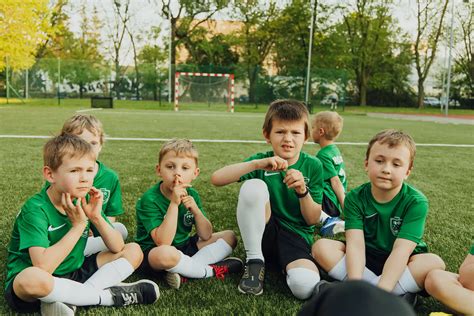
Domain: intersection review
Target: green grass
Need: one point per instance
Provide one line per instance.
(443, 174)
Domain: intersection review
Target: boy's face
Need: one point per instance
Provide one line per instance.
(93, 139)
(388, 167)
(287, 138)
(75, 176)
(175, 170)
(316, 133)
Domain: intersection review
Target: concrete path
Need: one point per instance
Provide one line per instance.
(427, 118)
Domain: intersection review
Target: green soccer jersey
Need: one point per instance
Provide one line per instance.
(151, 210)
(472, 249)
(333, 165)
(40, 224)
(107, 181)
(402, 217)
(284, 202)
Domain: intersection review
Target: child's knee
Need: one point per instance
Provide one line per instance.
(302, 281)
(133, 253)
(434, 282)
(121, 229)
(230, 238)
(253, 191)
(164, 257)
(33, 282)
(428, 262)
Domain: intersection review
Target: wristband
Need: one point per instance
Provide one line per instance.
(300, 196)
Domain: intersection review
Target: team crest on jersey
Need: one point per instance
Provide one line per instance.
(106, 194)
(395, 224)
(188, 218)
(306, 180)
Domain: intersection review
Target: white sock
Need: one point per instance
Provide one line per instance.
(78, 294)
(253, 197)
(406, 284)
(190, 268)
(339, 272)
(94, 245)
(323, 217)
(111, 274)
(301, 282)
(213, 253)
(121, 228)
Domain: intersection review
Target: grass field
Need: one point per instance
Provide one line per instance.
(444, 174)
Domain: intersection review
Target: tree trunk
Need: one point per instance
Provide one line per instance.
(252, 73)
(421, 93)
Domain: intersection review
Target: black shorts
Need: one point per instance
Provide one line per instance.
(189, 249)
(281, 247)
(81, 275)
(329, 207)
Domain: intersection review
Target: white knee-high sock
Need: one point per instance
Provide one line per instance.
(302, 281)
(190, 268)
(94, 245)
(251, 216)
(78, 294)
(121, 228)
(213, 253)
(406, 284)
(339, 272)
(111, 274)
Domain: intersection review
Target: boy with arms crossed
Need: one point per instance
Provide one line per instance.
(454, 290)
(46, 267)
(385, 219)
(279, 202)
(326, 128)
(165, 217)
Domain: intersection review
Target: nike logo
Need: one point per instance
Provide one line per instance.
(52, 229)
(267, 174)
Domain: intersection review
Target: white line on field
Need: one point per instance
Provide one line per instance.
(235, 141)
(185, 114)
(89, 110)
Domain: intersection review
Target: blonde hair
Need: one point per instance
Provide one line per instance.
(67, 145)
(330, 122)
(394, 138)
(180, 146)
(80, 122)
(286, 110)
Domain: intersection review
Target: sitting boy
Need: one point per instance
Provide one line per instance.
(165, 217)
(46, 266)
(385, 219)
(279, 202)
(454, 290)
(326, 127)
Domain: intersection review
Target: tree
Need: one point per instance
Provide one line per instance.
(430, 16)
(23, 26)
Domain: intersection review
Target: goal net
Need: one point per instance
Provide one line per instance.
(203, 89)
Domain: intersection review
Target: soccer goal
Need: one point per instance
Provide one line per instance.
(204, 89)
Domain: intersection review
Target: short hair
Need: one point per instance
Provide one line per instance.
(67, 145)
(181, 146)
(394, 138)
(80, 122)
(286, 110)
(330, 121)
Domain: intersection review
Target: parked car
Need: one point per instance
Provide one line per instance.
(452, 102)
(431, 101)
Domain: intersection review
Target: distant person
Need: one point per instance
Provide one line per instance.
(326, 127)
(279, 202)
(334, 99)
(454, 290)
(166, 214)
(385, 219)
(89, 128)
(46, 266)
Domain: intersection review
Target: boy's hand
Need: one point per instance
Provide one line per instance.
(75, 213)
(273, 164)
(93, 209)
(179, 190)
(190, 204)
(294, 180)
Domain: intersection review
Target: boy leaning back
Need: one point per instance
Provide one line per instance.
(279, 202)
(385, 219)
(46, 267)
(326, 127)
(166, 214)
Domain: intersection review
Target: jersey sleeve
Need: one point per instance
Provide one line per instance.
(413, 224)
(114, 205)
(33, 229)
(315, 184)
(328, 167)
(353, 214)
(149, 213)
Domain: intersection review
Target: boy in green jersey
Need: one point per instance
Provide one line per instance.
(90, 129)
(166, 214)
(326, 127)
(454, 290)
(279, 202)
(385, 219)
(46, 266)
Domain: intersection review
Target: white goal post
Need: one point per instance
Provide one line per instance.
(230, 87)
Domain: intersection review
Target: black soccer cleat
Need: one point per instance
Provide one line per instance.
(227, 266)
(140, 292)
(252, 280)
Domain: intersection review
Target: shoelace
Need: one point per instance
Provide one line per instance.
(220, 271)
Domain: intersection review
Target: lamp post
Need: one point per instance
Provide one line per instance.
(448, 85)
(308, 73)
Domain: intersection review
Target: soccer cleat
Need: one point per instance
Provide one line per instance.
(332, 226)
(140, 292)
(57, 309)
(226, 266)
(411, 298)
(252, 280)
(174, 280)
